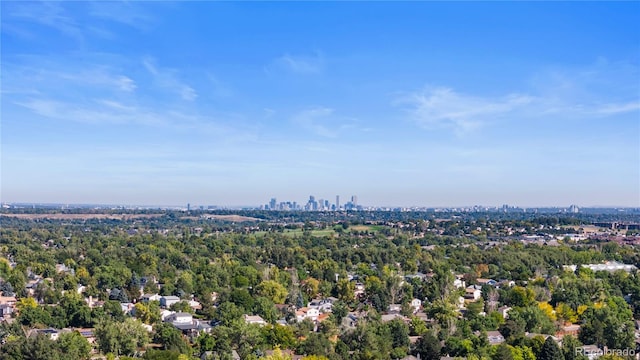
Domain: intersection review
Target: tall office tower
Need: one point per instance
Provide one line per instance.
(337, 202)
(272, 204)
(354, 200)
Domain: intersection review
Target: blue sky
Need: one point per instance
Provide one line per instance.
(410, 103)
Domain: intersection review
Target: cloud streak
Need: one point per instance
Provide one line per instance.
(442, 107)
(298, 64)
(312, 119)
(168, 79)
(50, 14)
(324, 122)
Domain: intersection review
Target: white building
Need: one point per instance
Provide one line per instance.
(254, 319)
(610, 266)
(307, 313)
(167, 301)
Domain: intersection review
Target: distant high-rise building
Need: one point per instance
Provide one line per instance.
(354, 200)
(337, 202)
(574, 209)
(272, 204)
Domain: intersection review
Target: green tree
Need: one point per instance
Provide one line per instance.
(399, 333)
(550, 350)
(417, 327)
(170, 338)
(502, 352)
(276, 335)
(609, 325)
(346, 289)
(273, 290)
(74, 346)
(39, 347)
(121, 338)
(569, 346)
(428, 346)
(316, 344)
(266, 308)
(228, 313)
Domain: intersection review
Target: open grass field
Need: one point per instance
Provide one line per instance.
(370, 228)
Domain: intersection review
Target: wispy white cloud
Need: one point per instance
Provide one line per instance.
(104, 89)
(598, 91)
(125, 12)
(96, 112)
(325, 122)
(440, 107)
(312, 119)
(109, 112)
(47, 13)
(80, 21)
(35, 74)
(610, 109)
(168, 79)
(298, 64)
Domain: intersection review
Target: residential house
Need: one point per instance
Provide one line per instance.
(127, 308)
(458, 283)
(504, 311)
(164, 314)
(416, 304)
(489, 282)
(389, 317)
(307, 313)
(254, 319)
(88, 334)
(420, 276)
(92, 303)
(52, 333)
(472, 293)
(195, 305)
(8, 300)
(495, 338)
(6, 310)
(394, 308)
(323, 305)
(167, 301)
(179, 318)
(150, 297)
(187, 324)
(507, 283)
(571, 329)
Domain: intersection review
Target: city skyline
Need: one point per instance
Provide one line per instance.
(405, 104)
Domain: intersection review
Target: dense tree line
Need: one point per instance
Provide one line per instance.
(267, 268)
